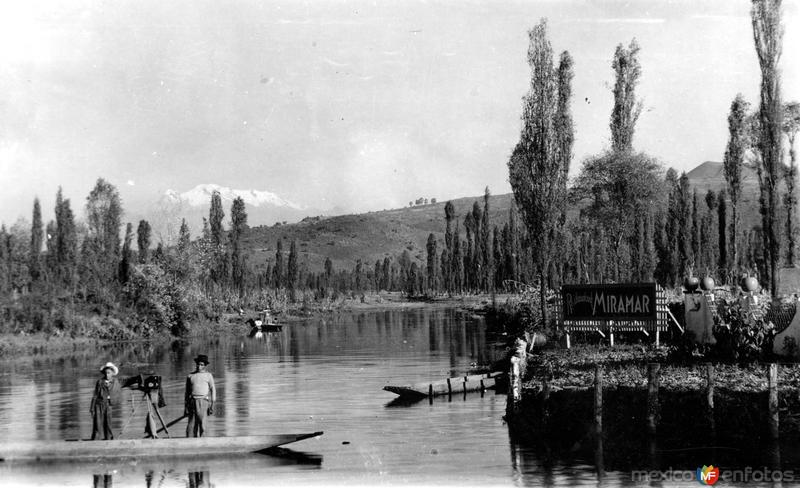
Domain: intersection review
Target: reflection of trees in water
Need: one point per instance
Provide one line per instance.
(102, 481)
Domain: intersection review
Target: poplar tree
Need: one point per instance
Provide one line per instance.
(722, 224)
(732, 163)
(627, 108)
(184, 237)
(768, 37)
(696, 251)
(540, 162)
(127, 255)
(66, 245)
(143, 242)
(5, 261)
(447, 253)
(486, 245)
(279, 264)
(432, 255)
(791, 125)
(35, 263)
(292, 270)
(238, 227)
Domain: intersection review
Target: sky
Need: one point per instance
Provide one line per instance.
(343, 104)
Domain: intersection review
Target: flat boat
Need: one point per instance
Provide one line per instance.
(449, 386)
(122, 448)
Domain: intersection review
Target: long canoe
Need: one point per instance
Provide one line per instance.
(120, 448)
(449, 386)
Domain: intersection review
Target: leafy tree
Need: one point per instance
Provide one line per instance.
(627, 108)
(768, 37)
(540, 162)
(103, 219)
(143, 235)
(619, 185)
(35, 265)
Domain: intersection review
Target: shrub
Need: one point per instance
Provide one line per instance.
(743, 331)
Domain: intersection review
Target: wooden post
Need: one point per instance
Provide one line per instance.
(514, 385)
(658, 336)
(598, 401)
(772, 382)
(611, 333)
(652, 397)
(568, 344)
(710, 395)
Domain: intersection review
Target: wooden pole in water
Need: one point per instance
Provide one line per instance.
(652, 397)
(772, 381)
(598, 401)
(514, 384)
(710, 395)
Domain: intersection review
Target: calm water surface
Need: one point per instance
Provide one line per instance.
(320, 375)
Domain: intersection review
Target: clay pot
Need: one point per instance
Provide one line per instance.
(749, 284)
(691, 283)
(708, 283)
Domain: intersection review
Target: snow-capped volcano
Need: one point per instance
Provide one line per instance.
(201, 196)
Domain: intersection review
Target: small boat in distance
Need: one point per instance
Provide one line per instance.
(265, 322)
(135, 448)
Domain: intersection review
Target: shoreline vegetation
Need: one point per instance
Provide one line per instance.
(232, 323)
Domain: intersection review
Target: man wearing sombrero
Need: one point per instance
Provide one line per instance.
(106, 393)
(200, 397)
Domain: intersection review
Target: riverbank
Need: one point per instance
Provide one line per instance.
(233, 323)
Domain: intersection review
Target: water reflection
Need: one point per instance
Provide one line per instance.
(319, 375)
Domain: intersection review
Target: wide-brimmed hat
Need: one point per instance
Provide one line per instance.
(201, 358)
(110, 365)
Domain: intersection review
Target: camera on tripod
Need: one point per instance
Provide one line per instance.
(144, 383)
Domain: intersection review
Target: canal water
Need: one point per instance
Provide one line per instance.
(324, 374)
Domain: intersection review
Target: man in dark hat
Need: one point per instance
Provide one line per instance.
(200, 397)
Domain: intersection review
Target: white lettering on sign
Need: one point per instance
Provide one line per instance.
(620, 304)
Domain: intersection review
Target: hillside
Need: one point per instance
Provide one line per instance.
(375, 235)
(369, 236)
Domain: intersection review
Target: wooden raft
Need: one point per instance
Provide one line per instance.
(449, 386)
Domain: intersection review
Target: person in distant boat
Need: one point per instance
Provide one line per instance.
(106, 392)
(200, 397)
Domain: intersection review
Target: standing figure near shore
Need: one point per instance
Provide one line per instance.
(200, 397)
(106, 392)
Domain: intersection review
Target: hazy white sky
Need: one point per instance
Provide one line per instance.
(349, 103)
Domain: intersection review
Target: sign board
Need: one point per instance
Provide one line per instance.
(623, 301)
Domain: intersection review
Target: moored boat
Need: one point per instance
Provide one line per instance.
(449, 386)
(121, 448)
